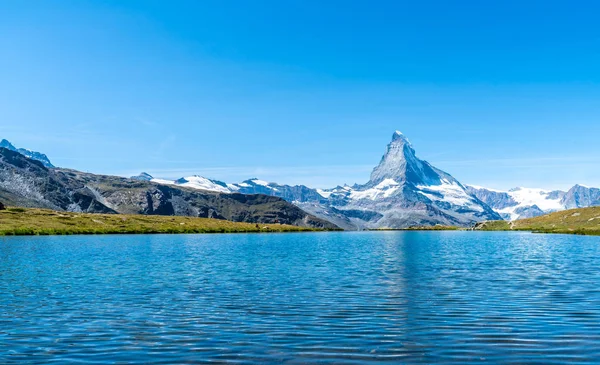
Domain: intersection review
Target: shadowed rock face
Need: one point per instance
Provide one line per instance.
(27, 182)
(27, 153)
(400, 164)
(495, 199)
(580, 197)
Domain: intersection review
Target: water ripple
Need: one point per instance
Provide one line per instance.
(326, 298)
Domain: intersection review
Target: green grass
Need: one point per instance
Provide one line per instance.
(584, 221)
(25, 221)
(493, 226)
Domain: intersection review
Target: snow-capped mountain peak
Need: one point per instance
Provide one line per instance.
(401, 136)
(403, 191)
(400, 163)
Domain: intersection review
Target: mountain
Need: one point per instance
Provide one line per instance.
(144, 176)
(30, 154)
(520, 203)
(402, 191)
(406, 191)
(27, 182)
(580, 196)
(296, 193)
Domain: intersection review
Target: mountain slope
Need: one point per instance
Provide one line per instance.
(28, 183)
(520, 203)
(27, 153)
(573, 221)
(581, 196)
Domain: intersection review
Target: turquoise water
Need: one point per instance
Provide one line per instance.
(326, 298)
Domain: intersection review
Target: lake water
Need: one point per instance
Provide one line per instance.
(327, 298)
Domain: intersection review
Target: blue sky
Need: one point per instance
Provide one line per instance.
(500, 94)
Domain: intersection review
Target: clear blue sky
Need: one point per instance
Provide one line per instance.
(501, 94)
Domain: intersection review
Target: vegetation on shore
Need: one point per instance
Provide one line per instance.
(31, 221)
(574, 221)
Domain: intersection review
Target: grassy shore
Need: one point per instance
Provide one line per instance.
(574, 221)
(25, 221)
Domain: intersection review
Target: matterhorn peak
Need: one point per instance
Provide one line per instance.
(399, 136)
(400, 163)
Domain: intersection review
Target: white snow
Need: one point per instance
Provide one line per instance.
(539, 197)
(244, 185)
(386, 183)
(510, 211)
(233, 187)
(202, 183)
(450, 192)
(324, 194)
(163, 181)
(196, 182)
(382, 190)
(260, 182)
(527, 197)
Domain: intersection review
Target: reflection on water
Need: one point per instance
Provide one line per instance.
(398, 297)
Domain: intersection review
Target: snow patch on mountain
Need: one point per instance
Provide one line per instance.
(541, 198)
(520, 202)
(202, 183)
(450, 192)
(324, 193)
(384, 189)
(163, 181)
(260, 182)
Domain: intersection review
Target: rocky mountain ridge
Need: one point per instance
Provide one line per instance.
(28, 183)
(520, 203)
(27, 153)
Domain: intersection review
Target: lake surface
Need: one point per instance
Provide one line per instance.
(326, 298)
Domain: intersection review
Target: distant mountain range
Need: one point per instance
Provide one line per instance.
(402, 191)
(521, 203)
(28, 183)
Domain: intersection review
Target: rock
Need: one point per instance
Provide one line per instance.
(28, 183)
(27, 153)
